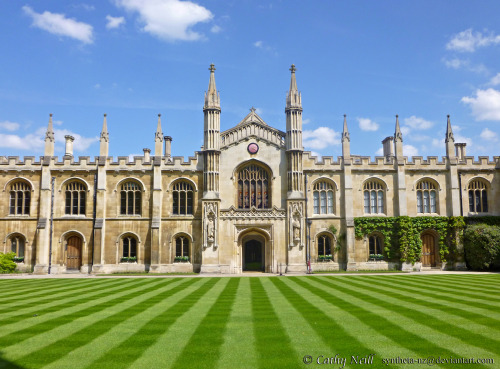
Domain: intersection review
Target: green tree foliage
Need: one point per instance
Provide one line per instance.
(482, 246)
(7, 264)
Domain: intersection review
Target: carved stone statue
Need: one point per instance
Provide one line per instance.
(296, 227)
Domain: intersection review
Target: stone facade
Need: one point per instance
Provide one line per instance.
(251, 199)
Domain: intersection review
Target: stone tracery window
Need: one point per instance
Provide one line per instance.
(17, 243)
(426, 197)
(129, 247)
(373, 192)
(75, 198)
(20, 198)
(253, 187)
(182, 196)
(323, 196)
(478, 197)
(325, 247)
(182, 247)
(130, 203)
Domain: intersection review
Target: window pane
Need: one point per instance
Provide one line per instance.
(137, 202)
(367, 202)
(316, 202)
(82, 202)
(426, 201)
(125, 247)
(178, 247)
(123, 206)
(328, 249)
(478, 200)
(19, 202)
(12, 208)
(433, 201)
(68, 202)
(471, 200)
(133, 247)
(380, 202)
(27, 197)
(321, 246)
(371, 245)
(189, 202)
(419, 202)
(378, 247)
(130, 202)
(323, 202)
(75, 203)
(20, 248)
(14, 245)
(330, 202)
(259, 194)
(176, 202)
(373, 200)
(485, 201)
(182, 202)
(253, 192)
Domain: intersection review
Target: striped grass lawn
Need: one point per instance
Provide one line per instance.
(250, 322)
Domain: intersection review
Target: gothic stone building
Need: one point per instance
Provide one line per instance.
(251, 199)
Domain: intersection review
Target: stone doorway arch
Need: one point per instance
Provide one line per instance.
(255, 251)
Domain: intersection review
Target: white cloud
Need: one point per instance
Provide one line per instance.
(261, 45)
(317, 154)
(320, 138)
(409, 150)
(488, 135)
(379, 152)
(58, 24)
(97, 86)
(418, 123)
(469, 41)
(114, 22)
(485, 105)
(306, 121)
(215, 29)
(259, 111)
(495, 81)
(258, 44)
(405, 130)
(367, 124)
(464, 64)
(168, 20)
(9, 126)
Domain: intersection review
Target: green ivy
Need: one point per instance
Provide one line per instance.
(402, 234)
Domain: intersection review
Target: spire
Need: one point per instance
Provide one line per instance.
(212, 98)
(449, 140)
(293, 98)
(345, 131)
(49, 139)
(158, 138)
(104, 140)
(398, 140)
(346, 142)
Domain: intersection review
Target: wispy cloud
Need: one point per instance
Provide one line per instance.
(215, 29)
(495, 81)
(485, 104)
(469, 41)
(263, 46)
(457, 63)
(114, 22)
(58, 24)
(366, 124)
(488, 135)
(409, 150)
(320, 138)
(418, 123)
(169, 20)
(9, 126)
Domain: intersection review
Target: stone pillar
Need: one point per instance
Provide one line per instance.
(43, 226)
(69, 145)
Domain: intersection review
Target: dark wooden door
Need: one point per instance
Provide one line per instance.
(428, 250)
(253, 256)
(74, 253)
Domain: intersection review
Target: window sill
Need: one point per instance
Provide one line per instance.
(181, 216)
(19, 215)
(324, 216)
(427, 214)
(374, 214)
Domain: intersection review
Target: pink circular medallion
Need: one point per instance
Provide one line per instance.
(253, 148)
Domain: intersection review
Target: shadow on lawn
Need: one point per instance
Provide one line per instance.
(4, 364)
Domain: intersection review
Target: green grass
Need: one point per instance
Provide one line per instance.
(249, 322)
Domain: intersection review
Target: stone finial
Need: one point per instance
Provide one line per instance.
(212, 98)
(69, 145)
(345, 131)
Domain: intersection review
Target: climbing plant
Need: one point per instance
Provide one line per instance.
(402, 234)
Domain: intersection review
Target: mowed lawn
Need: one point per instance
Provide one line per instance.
(249, 322)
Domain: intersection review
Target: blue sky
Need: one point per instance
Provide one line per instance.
(133, 59)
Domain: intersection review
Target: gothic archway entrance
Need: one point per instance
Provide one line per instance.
(253, 255)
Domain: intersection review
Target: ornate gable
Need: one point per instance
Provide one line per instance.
(252, 126)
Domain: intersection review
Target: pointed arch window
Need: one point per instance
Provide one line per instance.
(17, 243)
(254, 187)
(478, 197)
(129, 247)
(20, 198)
(182, 194)
(75, 198)
(426, 197)
(325, 247)
(130, 201)
(374, 202)
(181, 249)
(323, 197)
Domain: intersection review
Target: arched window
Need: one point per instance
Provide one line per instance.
(130, 199)
(20, 198)
(17, 245)
(129, 247)
(426, 197)
(478, 197)
(373, 193)
(75, 198)
(323, 196)
(253, 187)
(181, 249)
(182, 198)
(325, 247)
(375, 247)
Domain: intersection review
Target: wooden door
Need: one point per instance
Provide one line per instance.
(428, 250)
(74, 253)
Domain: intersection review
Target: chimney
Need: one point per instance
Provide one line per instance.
(69, 145)
(147, 155)
(460, 151)
(388, 145)
(168, 146)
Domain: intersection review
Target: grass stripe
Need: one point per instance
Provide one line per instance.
(55, 350)
(129, 350)
(397, 333)
(272, 344)
(466, 336)
(208, 338)
(58, 319)
(457, 284)
(423, 290)
(15, 293)
(74, 300)
(324, 325)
